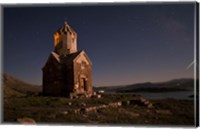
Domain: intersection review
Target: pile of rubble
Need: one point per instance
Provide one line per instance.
(84, 107)
(95, 95)
(95, 108)
(85, 95)
(26, 120)
(135, 102)
(138, 102)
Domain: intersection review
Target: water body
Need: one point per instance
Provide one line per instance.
(165, 95)
(162, 95)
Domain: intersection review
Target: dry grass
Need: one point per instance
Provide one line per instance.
(50, 110)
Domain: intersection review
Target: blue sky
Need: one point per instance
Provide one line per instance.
(127, 43)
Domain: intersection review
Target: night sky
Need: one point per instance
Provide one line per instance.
(127, 43)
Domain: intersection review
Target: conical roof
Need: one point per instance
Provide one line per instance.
(66, 28)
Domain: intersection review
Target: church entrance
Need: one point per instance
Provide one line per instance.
(83, 84)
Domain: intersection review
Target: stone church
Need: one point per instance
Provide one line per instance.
(67, 70)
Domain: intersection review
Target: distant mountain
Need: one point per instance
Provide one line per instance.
(182, 84)
(16, 87)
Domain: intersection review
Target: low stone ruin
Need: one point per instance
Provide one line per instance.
(139, 102)
(26, 120)
(85, 108)
(95, 108)
(165, 112)
(76, 96)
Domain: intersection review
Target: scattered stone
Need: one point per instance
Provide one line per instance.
(88, 109)
(76, 97)
(76, 111)
(150, 105)
(84, 115)
(148, 110)
(134, 114)
(146, 102)
(98, 96)
(126, 102)
(69, 103)
(26, 120)
(101, 91)
(101, 106)
(116, 104)
(166, 112)
(142, 99)
(94, 93)
(95, 108)
(83, 104)
(135, 102)
(71, 95)
(141, 102)
(87, 96)
(65, 112)
(119, 103)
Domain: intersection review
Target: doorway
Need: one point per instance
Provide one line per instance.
(83, 83)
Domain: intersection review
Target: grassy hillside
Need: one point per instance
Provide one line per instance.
(16, 87)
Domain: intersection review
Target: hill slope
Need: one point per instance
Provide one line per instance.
(16, 87)
(173, 85)
(168, 86)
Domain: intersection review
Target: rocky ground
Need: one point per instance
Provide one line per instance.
(107, 109)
